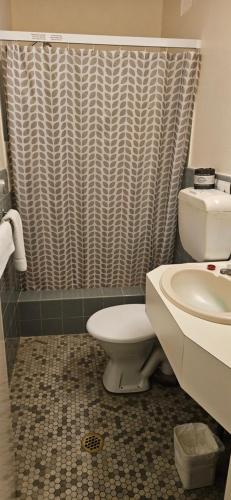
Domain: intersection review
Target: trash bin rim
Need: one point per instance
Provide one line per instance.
(220, 446)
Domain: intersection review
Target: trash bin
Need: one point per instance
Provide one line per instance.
(196, 453)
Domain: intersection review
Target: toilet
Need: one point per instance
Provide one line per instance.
(127, 337)
(124, 331)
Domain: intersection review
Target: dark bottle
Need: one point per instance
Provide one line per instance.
(204, 178)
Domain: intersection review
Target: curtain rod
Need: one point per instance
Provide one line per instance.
(28, 36)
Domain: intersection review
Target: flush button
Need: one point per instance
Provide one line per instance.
(211, 267)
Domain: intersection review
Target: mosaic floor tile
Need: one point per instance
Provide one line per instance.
(58, 397)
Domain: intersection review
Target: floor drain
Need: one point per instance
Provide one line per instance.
(92, 442)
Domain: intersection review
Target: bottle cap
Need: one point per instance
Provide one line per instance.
(211, 267)
(204, 171)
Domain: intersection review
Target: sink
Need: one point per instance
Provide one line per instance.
(199, 292)
(179, 298)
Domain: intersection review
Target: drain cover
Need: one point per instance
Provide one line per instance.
(92, 442)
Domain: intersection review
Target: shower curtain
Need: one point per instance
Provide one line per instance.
(98, 143)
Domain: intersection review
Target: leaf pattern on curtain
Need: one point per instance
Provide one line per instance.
(98, 143)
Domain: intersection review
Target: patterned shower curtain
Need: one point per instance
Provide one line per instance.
(98, 143)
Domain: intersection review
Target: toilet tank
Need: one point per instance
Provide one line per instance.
(204, 218)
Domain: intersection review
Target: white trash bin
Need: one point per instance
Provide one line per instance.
(196, 453)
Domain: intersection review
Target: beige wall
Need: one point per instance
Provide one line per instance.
(110, 17)
(5, 24)
(190, 25)
(5, 17)
(210, 21)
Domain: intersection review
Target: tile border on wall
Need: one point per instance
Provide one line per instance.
(61, 312)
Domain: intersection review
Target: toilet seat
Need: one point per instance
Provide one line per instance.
(121, 324)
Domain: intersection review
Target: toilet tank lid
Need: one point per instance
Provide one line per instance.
(208, 200)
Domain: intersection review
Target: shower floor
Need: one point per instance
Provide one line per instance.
(58, 397)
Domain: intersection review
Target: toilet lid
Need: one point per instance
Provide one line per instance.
(122, 324)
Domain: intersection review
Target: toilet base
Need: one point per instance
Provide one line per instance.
(131, 346)
(113, 380)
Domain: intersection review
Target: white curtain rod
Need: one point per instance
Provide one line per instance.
(28, 36)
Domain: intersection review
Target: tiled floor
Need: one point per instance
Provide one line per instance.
(57, 396)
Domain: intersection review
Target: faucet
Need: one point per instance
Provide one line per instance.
(226, 270)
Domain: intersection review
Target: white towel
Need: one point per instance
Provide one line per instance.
(6, 245)
(19, 255)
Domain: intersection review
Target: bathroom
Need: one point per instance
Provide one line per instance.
(93, 163)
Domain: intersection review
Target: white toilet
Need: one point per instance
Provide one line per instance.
(127, 337)
(124, 331)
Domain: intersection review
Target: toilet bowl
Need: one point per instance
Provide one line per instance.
(127, 337)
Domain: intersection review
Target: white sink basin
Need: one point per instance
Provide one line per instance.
(199, 292)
